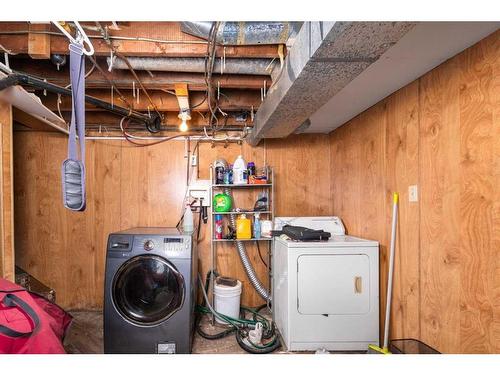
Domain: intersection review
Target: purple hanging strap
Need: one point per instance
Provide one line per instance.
(73, 168)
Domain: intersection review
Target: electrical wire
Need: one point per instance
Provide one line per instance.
(143, 88)
(133, 139)
(112, 48)
(111, 82)
(111, 37)
(260, 256)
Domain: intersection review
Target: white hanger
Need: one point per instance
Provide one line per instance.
(81, 37)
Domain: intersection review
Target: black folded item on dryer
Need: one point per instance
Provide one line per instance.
(302, 233)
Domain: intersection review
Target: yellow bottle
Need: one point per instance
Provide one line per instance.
(243, 228)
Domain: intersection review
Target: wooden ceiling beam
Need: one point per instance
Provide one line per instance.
(233, 100)
(24, 121)
(156, 39)
(95, 118)
(39, 44)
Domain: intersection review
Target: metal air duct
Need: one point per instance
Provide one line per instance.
(245, 33)
(196, 65)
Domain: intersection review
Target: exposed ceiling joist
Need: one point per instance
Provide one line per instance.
(150, 39)
(234, 101)
(38, 44)
(325, 57)
(123, 79)
(96, 118)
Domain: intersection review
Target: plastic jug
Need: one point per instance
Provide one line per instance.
(243, 228)
(240, 171)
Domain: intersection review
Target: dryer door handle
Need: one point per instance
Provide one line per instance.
(358, 285)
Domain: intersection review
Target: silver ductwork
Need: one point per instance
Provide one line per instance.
(196, 65)
(325, 58)
(245, 33)
(254, 280)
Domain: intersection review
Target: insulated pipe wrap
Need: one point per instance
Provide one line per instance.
(240, 246)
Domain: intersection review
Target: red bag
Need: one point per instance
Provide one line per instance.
(29, 323)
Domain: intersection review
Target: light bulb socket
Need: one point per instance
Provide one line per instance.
(184, 114)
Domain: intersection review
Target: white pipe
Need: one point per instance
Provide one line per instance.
(194, 137)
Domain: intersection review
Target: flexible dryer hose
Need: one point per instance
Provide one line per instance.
(249, 270)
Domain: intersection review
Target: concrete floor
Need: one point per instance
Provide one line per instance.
(85, 336)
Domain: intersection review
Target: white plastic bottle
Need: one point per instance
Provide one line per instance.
(187, 222)
(240, 171)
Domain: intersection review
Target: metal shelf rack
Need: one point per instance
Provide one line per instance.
(216, 188)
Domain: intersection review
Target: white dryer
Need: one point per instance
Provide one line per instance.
(325, 294)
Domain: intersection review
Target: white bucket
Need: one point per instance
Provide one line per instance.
(227, 300)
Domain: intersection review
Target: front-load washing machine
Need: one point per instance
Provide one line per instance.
(150, 291)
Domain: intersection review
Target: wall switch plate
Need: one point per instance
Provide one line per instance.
(413, 193)
(194, 160)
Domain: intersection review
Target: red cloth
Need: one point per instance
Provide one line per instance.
(47, 322)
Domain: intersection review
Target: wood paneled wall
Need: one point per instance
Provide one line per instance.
(442, 133)
(129, 186)
(6, 194)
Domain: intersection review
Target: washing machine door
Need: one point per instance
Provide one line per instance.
(147, 290)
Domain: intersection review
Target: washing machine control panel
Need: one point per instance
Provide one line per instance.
(173, 247)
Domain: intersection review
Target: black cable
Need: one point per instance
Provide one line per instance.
(199, 222)
(260, 255)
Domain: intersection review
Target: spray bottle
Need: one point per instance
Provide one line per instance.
(256, 226)
(187, 222)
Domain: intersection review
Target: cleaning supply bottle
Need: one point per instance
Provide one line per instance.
(187, 222)
(228, 175)
(243, 228)
(218, 227)
(240, 171)
(256, 226)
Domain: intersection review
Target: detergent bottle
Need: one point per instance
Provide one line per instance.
(240, 171)
(243, 228)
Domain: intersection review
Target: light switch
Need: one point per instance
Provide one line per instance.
(413, 193)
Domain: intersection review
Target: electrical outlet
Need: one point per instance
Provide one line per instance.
(194, 160)
(413, 193)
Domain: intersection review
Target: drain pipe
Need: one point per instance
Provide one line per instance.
(249, 270)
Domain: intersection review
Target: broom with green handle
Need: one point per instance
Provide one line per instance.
(374, 349)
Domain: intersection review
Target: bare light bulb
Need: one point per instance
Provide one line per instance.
(183, 126)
